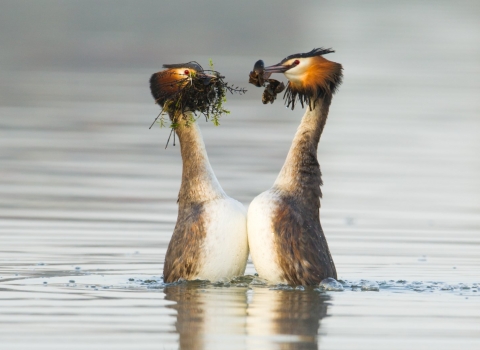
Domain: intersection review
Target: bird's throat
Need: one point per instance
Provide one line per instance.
(300, 173)
(199, 183)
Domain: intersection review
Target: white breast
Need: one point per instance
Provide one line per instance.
(261, 236)
(225, 249)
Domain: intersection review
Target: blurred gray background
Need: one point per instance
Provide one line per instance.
(74, 94)
(75, 105)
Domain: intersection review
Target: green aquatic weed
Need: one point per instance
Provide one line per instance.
(199, 91)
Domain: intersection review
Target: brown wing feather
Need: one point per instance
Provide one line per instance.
(183, 258)
(302, 249)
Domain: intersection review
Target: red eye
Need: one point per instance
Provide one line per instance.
(296, 62)
(187, 72)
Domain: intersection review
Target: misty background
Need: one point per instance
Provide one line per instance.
(76, 71)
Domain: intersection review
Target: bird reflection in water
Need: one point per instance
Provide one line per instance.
(242, 318)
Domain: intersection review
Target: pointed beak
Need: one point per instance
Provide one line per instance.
(277, 68)
(211, 76)
(206, 78)
(261, 73)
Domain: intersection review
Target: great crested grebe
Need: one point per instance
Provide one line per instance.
(286, 240)
(209, 241)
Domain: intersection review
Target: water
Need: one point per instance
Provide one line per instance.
(88, 193)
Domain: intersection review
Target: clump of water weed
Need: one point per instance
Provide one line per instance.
(187, 87)
(259, 78)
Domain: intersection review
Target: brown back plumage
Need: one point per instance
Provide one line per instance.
(183, 258)
(303, 253)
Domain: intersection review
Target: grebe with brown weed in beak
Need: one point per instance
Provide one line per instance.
(287, 243)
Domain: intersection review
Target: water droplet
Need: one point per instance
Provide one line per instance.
(370, 286)
(331, 284)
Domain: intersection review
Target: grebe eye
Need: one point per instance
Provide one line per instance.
(296, 62)
(187, 72)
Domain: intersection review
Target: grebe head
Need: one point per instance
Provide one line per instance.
(309, 75)
(187, 87)
(167, 84)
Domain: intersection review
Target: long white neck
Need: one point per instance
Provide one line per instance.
(300, 174)
(199, 182)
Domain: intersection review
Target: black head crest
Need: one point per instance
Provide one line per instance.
(315, 52)
(191, 65)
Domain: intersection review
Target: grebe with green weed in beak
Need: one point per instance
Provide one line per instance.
(209, 241)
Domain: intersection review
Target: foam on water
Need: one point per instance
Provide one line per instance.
(104, 281)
